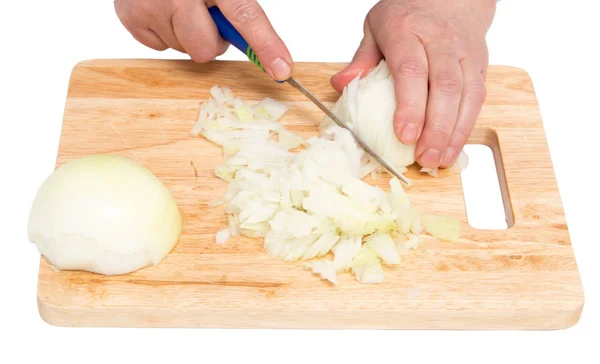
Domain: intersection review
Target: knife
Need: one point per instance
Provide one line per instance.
(231, 35)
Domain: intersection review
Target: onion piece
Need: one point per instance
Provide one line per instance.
(223, 236)
(344, 252)
(324, 268)
(461, 163)
(366, 266)
(270, 108)
(234, 226)
(442, 227)
(413, 241)
(369, 274)
(321, 246)
(384, 246)
(242, 110)
(433, 172)
(288, 140)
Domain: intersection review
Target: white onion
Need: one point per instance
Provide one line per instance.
(367, 105)
(104, 214)
(324, 268)
(385, 247)
(223, 236)
(345, 251)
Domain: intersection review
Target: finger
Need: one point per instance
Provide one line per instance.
(135, 20)
(473, 96)
(197, 33)
(407, 61)
(149, 38)
(367, 56)
(445, 90)
(252, 23)
(163, 26)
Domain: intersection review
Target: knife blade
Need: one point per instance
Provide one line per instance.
(341, 124)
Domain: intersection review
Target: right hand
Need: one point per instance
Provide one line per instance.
(186, 26)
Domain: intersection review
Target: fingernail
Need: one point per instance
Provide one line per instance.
(448, 157)
(430, 158)
(409, 133)
(280, 70)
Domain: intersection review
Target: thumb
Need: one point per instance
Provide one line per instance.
(367, 56)
(250, 19)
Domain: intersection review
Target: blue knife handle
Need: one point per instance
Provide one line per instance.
(231, 35)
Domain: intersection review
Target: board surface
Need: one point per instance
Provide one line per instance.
(525, 277)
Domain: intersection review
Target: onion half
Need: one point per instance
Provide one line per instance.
(103, 214)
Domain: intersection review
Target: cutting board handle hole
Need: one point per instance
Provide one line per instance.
(485, 193)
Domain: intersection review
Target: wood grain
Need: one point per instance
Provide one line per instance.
(525, 277)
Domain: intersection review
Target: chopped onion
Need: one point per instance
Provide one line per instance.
(324, 268)
(104, 214)
(433, 172)
(288, 140)
(413, 241)
(442, 227)
(457, 167)
(309, 203)
(366, 267)
(369, 273)
(223, 236)
(345, 250)
(270, 109)
(321, 247)
(385, 247)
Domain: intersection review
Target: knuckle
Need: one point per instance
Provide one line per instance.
(461, 134)
(476, 93)
(412, 68)
(408, 112)
(263, 44)
(123, 11)
(437, 132)
(246, 12)
(202, 54)
(205, 49)
(448, 83)
(158, 47)
(180, 11)
(410, 109)
(178, 5)
(440, 129)
(145, 36)
(133, 14)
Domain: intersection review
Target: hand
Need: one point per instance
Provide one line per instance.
(437, 54)
(186, 26)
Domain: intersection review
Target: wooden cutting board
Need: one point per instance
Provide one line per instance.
(525, 277)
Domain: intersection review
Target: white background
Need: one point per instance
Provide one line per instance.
(555, 41)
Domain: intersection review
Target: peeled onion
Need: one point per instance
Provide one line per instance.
(367, 105)
(103, 214)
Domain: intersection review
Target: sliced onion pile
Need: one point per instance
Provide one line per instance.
(305, 198)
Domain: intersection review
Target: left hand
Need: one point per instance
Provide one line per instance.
(437, 54)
